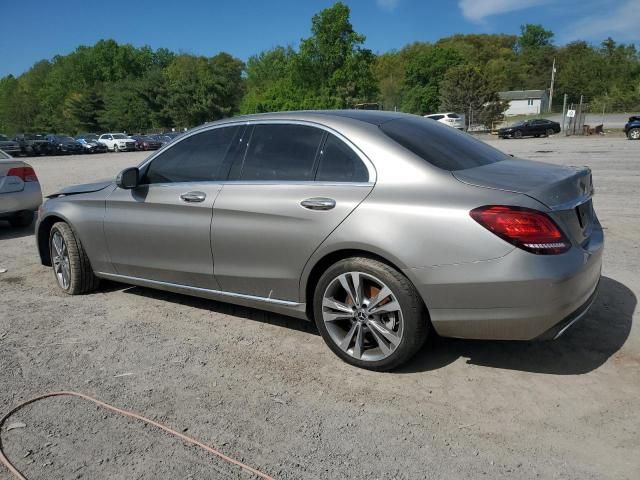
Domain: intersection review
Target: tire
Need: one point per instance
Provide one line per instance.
(537, 136)
(115, 148)
(72, 259)
(21, 219)
(550, 131)
(517, 134)
(406, 327)
(633, 134)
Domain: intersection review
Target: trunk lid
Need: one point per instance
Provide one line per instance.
(567, 191)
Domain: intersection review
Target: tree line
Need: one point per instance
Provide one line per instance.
(111, 86)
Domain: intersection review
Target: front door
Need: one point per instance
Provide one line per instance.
(161, 230)
(296, 184)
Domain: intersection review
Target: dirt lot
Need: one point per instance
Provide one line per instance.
(266, 390)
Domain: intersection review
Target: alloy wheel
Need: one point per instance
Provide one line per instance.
(60, 259)
(634, 134)
(362, 316)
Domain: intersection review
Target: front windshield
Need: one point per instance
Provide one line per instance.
(66, 139)
(119, 136)
(4, 138)
(519, 124)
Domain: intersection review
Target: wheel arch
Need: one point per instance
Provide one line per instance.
(320, 265)
(42, 236)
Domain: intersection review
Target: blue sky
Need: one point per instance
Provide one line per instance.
(34, 30)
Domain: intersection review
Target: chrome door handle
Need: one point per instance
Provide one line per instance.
(193, 197)
(318, 203)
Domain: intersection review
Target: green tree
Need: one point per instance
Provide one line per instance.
(465, 89)
(425, 69)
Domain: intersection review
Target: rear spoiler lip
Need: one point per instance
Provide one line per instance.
(588, 190)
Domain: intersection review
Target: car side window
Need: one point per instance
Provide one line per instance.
(280, 152)
(339, 163)
(198, 158)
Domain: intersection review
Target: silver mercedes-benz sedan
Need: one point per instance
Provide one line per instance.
(378, 226)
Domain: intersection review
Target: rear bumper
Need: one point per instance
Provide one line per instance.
(557, 330)
(520, 296)
(28, 199)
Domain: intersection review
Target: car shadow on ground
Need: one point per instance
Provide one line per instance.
(583, 348)
(245, 313)
(7, 232)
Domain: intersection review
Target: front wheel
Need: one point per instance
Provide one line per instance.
(70, 262)
(115, 148)
(550, 132)
(634, 134)
(517, 134)
(369, 314)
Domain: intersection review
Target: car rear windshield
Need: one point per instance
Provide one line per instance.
(453, 115)
(441, 146)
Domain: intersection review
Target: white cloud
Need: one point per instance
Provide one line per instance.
(621, 23)
(478, 10)
(388, 5)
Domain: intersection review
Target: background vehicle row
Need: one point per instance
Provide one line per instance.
(35, 144)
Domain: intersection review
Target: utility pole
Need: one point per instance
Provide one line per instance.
(553, 79)
(564, 112)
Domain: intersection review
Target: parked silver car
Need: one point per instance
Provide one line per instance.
(377, 225)
(20, 193)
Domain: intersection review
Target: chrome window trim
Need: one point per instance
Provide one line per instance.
(370, 167)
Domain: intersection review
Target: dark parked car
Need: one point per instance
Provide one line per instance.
(33, 144)
(9, 146)
(632, 128)
(90, 144)
(146, 142)
(539, 127)
(63, 145)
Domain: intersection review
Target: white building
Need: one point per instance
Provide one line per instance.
(525, 102)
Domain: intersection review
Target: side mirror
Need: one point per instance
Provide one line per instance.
(128, 178)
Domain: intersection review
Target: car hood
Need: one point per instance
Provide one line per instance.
(84, 188)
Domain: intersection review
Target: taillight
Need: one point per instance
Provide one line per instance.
(525, 228)
(27, 174)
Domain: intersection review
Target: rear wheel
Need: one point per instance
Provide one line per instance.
(21, 219)
(70, 263)
(369, 314)
(634, 134)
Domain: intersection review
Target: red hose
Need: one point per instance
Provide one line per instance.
(5, 461)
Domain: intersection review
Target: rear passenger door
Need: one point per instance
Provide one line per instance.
(289, 189)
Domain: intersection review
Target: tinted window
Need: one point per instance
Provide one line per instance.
(339, 163)
(453, 115)
(441, 146)
(281, 152)
(199, 157)
(436, 117)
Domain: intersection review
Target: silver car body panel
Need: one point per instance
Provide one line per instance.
(15, 194)
(252, 243)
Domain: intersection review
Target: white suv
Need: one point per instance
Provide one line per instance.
(117, 141)
(450, 118)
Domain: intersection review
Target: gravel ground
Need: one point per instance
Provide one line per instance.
(264, 388)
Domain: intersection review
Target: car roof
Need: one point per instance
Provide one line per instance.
(373, 117)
